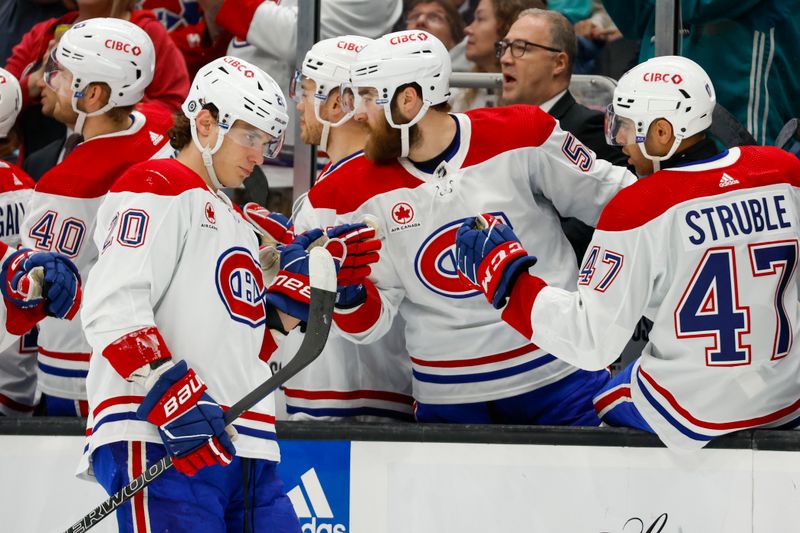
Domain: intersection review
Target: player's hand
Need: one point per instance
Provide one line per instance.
(354, 247)
(490, 257)
(290, 290)
(275, 228)
(31, 279)
(191, 424)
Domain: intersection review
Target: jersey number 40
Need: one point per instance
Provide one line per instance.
(67, 240)
(712, 305)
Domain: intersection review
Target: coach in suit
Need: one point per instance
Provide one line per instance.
(536, 58)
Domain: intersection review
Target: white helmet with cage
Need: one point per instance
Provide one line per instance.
(104, 50)
(10, 101)
(327, 64)
(400, 58)
(670, 87)
(239, 91)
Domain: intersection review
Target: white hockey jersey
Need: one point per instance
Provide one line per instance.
(514, 162)
(366, 381)
(179, 258)
(62, 219)
(708, 252)
(18, 361)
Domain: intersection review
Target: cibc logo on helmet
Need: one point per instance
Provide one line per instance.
(127, 48)
(662, 77)
(408, 37)
(350, 47)
(238, 65)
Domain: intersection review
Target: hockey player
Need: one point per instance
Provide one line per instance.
(176, 295)
(706, 248)
(18, 361)
(429, 169)
(99, 70)
(370, 381)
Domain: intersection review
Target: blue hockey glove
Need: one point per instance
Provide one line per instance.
(59, 279)
(290, 290)
(191, 424)
(355, 247)
(490, 257)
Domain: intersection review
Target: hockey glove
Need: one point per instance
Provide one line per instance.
(191, 424)
(290, 291)
(490, 257)
(274, 227)
(38, 284)
(355, 247)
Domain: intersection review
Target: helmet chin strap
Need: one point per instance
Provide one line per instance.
(207, 153)
(326, 130)
(656, 159)
(404, 128)
(327, 125)
(77, 95)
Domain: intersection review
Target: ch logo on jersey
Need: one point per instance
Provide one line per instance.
(435, 263)
(241, 287)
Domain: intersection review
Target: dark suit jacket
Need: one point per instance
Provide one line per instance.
(588, 126)
(43, 159)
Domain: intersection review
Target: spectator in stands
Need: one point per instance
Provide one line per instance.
(492, 20)
(38, 162)
(19, 16)
(466, 8)
(438, 17)
(192, 29)
(169, 87)
(749, 49)
(536, 56)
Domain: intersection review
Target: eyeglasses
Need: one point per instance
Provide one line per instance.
(519, 47)
(433, 18)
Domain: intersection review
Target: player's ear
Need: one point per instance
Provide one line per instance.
(662, 132)
(408, 102)
(95, 96)
(204, 122)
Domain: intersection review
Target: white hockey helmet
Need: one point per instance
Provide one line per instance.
(10, 101)
(239, 91)
(328, 65)
(108, 50)
(670, 87)
(400, 58)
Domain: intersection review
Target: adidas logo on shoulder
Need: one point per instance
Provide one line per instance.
(320, 513)
(727, 181)
(155, 138)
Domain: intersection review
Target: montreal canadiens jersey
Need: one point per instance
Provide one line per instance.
(514, 162)
(365, 381)
(177, 257)
(62, 219)
(709, 253)
(18, 361)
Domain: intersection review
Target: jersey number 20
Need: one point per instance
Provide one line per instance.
(711, 305)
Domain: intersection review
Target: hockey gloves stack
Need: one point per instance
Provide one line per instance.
(354, 248)
(38, 284)
(191, 424)
(490, 257)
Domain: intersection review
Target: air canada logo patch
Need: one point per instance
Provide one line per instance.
(435, 263)
(210, 215)
(240, 286)
(402, 214)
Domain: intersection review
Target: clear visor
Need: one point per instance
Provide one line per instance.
(296, 87)
(620, 131)
(354, 99)
(252, 138)
(56, 76)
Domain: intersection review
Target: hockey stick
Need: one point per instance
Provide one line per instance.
(323, 295)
